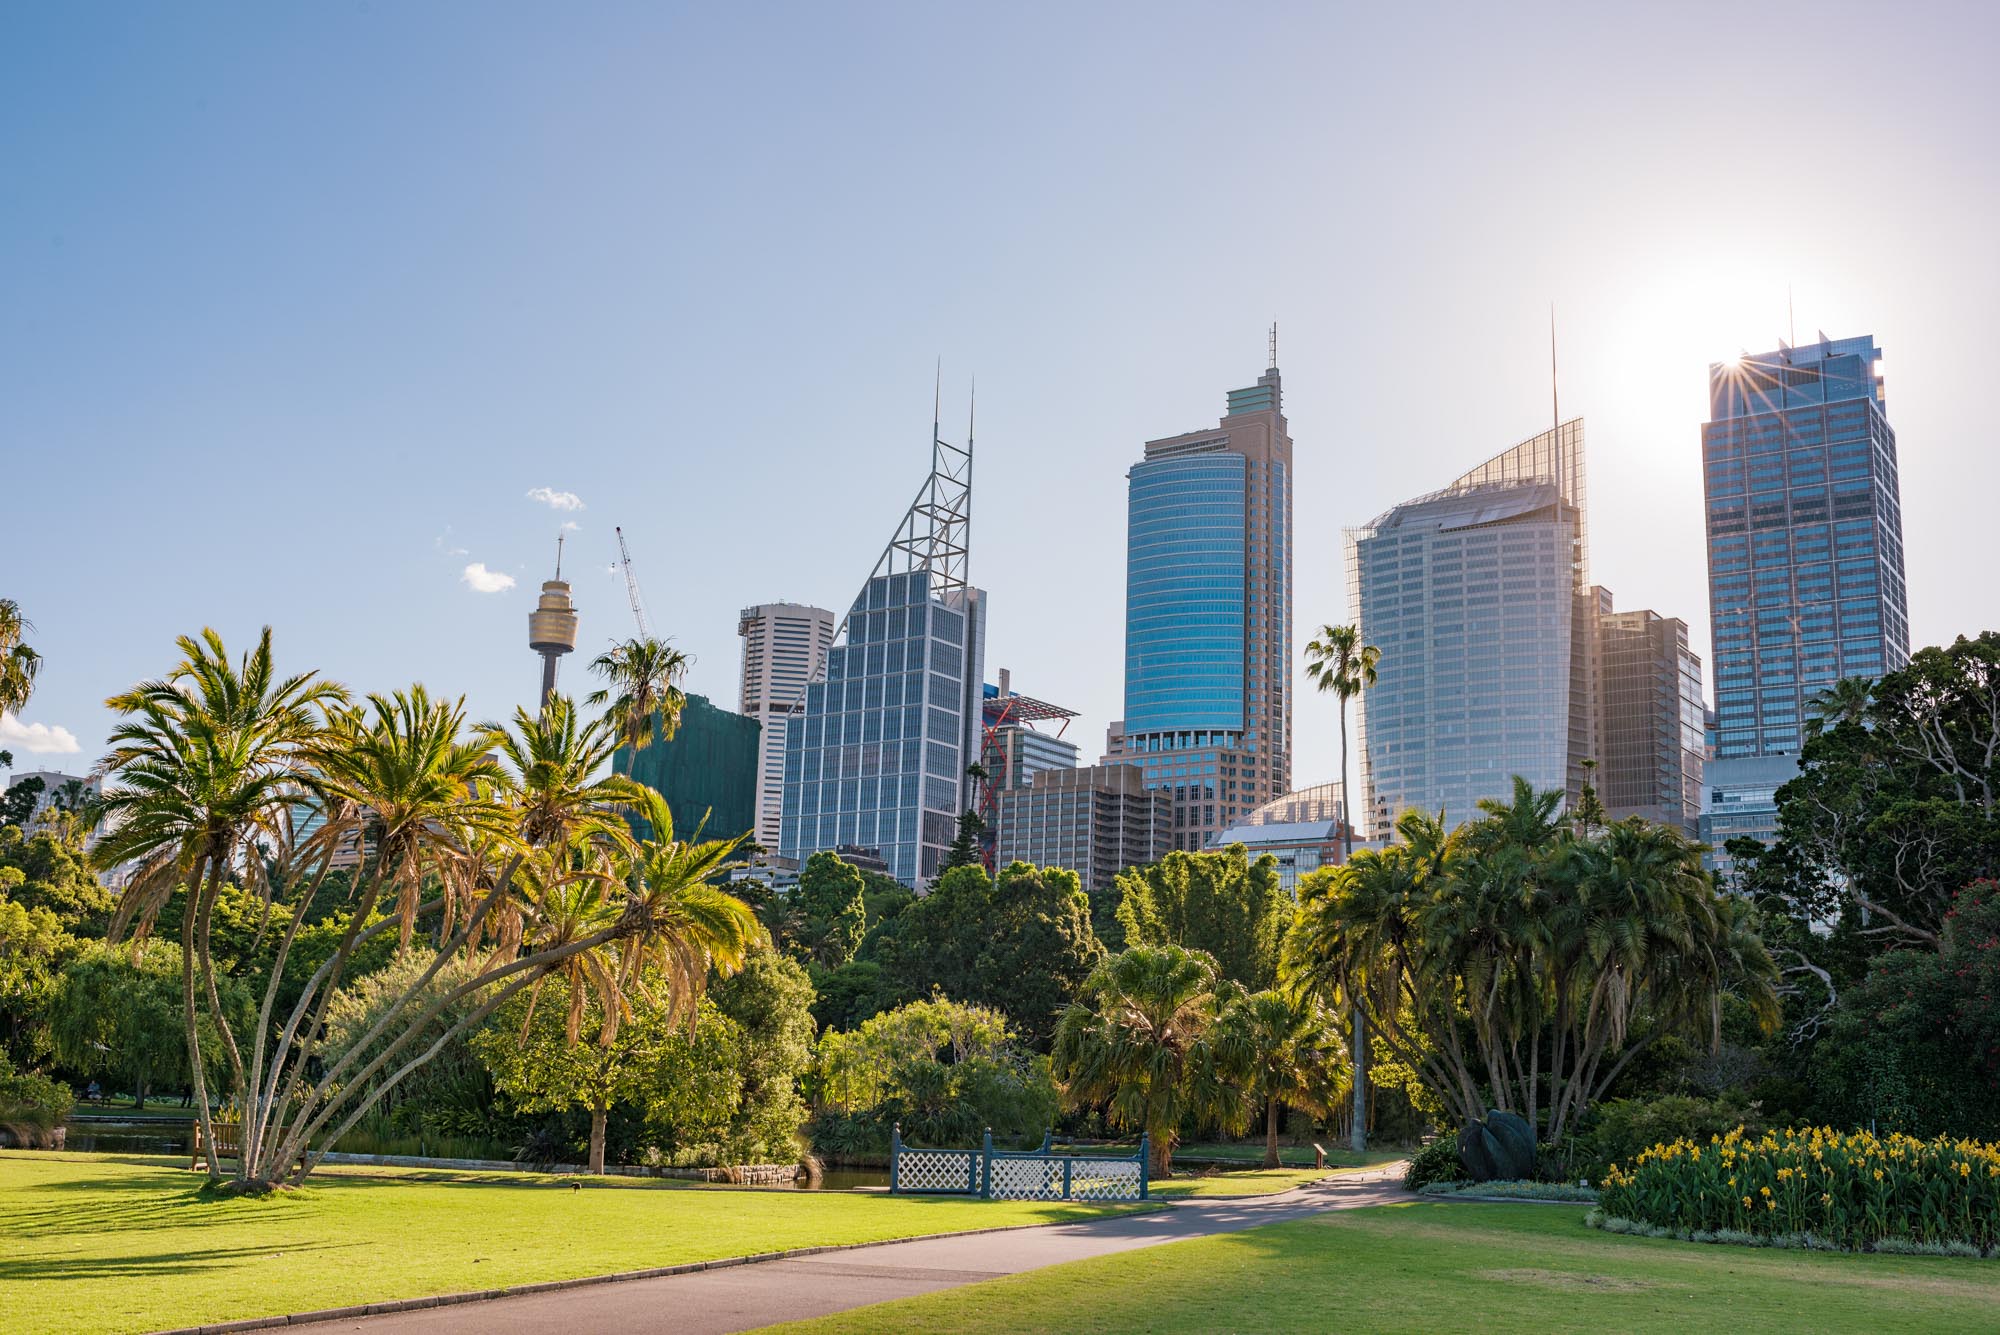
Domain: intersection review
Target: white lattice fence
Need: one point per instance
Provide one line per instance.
(1036, 1179)
(1104, 1180)
(938, 1171)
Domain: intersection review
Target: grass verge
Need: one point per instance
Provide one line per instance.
(1290, 1156)
(91, 1243)
(1185, 1185)
(1453, 1266)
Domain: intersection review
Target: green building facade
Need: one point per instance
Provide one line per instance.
(709, 770)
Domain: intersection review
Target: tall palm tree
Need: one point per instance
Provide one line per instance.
(1846, 701)
(1290, 1052)
(1143, 1038)
(559, 797)
(18, 663)
(205, 761)
(1338, 661)
(642, 678)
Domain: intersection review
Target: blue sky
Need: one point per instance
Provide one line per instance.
(298, 304)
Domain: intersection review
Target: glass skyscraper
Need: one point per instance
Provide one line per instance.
(1208, 615)
(878, 757)
(1805, 558)
(1478, 598)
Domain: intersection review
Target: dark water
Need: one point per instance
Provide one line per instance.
(132, 1136)
(842, 1179)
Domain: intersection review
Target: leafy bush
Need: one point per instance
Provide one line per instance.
(1852, 1191)
(1622, 1128)
(31, 1105)
(1435, 1162)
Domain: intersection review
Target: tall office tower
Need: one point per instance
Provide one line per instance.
(1478, 597)
(1208, 615)
(1097, 820)
(1649, 754)
(1805, 559)
(878, 756)
(784, 649)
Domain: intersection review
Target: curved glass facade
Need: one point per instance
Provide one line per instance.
(1185, 594)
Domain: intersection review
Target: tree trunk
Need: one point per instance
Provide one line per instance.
(1160, 1165)
(198, 1077)
(1357, 1139)
(1357, 1136)
(139, 1097)
(1271, 1134)
(597, 1137)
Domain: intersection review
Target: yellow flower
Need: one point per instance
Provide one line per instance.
(1825, 1199)
(1746, 1202)
(1766, 1191)
(1878, 1175)
(1770, 1205)
(1965, 1170)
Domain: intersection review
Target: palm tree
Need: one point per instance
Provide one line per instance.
(559, 798)
(18, 663)
(205, 762)
(642, 678)
(1142, 1038)
(1291, 1052)
(1337, 661)
(1846, 701)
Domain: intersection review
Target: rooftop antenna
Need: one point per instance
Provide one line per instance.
(1791, 317)
(559, 545)
(937, 398)
(1274, 345)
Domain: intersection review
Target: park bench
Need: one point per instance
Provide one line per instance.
(228, 1144)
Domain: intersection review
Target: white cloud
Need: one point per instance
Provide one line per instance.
(556, 500)
(571, 525)
(483, 580)
(38, 738)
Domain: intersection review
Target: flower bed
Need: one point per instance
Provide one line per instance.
(1854, 1191)
(1511, 1190)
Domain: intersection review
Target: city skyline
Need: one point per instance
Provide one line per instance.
(516, 379)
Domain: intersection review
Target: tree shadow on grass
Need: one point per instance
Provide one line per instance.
(15, 1269)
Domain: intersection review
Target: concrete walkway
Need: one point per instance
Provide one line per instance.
(745, 1297)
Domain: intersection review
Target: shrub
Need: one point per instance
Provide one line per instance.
(1622, 1128)
(31, 1105)
(1853, 1191)
(1435, 1162)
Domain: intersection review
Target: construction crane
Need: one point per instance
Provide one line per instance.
(632, 585)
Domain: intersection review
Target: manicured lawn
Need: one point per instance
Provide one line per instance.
(1436, 1266)
(1292, 1156)
(1240, 1182)
(91, 1243)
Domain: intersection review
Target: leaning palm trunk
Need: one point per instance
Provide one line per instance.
(198, 1077)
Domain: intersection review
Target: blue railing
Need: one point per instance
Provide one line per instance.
(1038, 1174)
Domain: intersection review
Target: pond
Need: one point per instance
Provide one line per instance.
(133, 1135)
(842, 1179)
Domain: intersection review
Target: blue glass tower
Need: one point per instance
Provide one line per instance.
(1805, 558)
(1208, 615)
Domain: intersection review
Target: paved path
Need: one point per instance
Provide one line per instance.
(710, 1302)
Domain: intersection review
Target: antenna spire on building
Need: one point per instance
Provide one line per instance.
(1274, 345)
(559, 546)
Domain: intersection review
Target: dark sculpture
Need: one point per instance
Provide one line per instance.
(1499, 1148)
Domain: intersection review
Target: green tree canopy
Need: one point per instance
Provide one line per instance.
(829, 912)
(54, 873)
(1021, 942)
(1518, 966)
(118, 1014)
(1218, 902)
(1145, 1039)
(1897, 805)
(770, 1000)
(32, 946)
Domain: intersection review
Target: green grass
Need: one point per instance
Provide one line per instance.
(1438, 1266)
(95, 1243)
(1291, 1156)
(1239, 1182)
